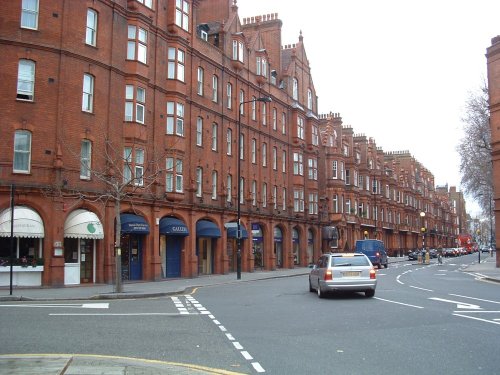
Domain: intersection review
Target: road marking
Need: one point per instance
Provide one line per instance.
(440, 274)
(120, 314)
(70, 305)
(246, 355)
(474, 318)
(474, 298)
(237, 345)
(397, 279)
(258, 367)
(416, 287)
(460, 305)
(399, 303)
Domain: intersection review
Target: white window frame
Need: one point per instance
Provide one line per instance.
(137, 95)
(253, 192)
(200, 77)
(313, 169)
(182, 14)
(214, 185)
(300, 127)
(275, 118)
(229, 188)
(229, 141)
(254, 151)
(29, 13)
(21, 163)
(91, 28)
(26, 80)
(88, 93)
(264, 154)
(85, 159)
(199, 131)
(215, 129)
(295, 89)
(199, 181)
(298, 166)
(137, 45)
(264, 194)
(275, 158)
(334, 169)
(215, 88)
(315, 135)
(309, 99)
(175, 119)
(229, 96)
(298, 200)
(176, 61)
(283, 161)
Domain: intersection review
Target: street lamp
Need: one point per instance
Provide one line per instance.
(424, 229)
(264, 99)
(366, 234)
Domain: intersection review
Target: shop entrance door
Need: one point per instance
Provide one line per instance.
(86, 261)
(173, 256)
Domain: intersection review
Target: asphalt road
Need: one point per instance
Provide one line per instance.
(422, 320)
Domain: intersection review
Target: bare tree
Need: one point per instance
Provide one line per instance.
(126, 173)
(475, 149)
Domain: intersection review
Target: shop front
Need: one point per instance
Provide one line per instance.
(296, 246)
(207, 234)
(278, 246)
(82, 229)
(258, 246)
(134, 229)
(172, 234)
(28, 232)
(232, 243)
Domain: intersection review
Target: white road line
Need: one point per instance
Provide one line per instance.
(477, 299)
(258, 367)
(237, 345)
(399, 303)
(246, 355)
(216, 322)
(71, 305)
(222, 328)
(474, 318)
(397, 279)
(440, 274)
(476, 311)
(416, 287)
(122, 314)
(229, 336)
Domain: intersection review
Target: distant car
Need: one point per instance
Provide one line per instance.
(413, 255)
(351, 272)
(374, 250)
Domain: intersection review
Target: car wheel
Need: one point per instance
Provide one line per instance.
(311, 289)
(369, 293)
(320, 292)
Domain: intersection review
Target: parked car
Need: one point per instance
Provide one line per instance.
(351, 272)
(374, 250)
(413, 255)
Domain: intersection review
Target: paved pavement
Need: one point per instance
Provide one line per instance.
(73, 364)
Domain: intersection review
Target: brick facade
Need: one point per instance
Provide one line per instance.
(152, 58)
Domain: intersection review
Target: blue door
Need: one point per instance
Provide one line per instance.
(136, 258)
(174, 256)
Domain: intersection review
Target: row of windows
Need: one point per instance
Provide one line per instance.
(133, 173)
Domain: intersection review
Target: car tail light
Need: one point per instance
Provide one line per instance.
(328, 275)
(377, 254)
(373, 274)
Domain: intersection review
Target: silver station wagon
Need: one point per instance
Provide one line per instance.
(351, 272)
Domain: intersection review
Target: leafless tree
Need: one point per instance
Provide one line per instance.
(475, 149)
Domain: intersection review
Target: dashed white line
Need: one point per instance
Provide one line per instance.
(229, 336)
(246, 355)
(237, 345)
(258, 367)
(416, 287)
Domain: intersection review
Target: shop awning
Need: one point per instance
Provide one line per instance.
(232, 230)
(83, 224)
(205, 228)
(27, 223)
(173, 227)
(134, 224)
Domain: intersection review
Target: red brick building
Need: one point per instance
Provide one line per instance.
(493, 60)
(129, 114)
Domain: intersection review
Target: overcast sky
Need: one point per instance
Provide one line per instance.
(399, 71)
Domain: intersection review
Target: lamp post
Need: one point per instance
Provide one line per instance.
(423, 230)
(366, 234)
(264, 99)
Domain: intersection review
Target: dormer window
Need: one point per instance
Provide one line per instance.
(204, 35)
(238, 50)
(261, 66)
(295, 89)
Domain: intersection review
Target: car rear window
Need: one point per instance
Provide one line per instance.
(349, 261)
